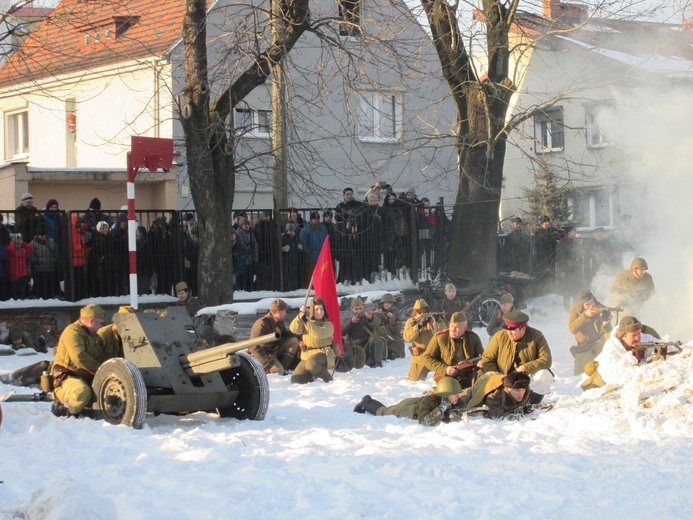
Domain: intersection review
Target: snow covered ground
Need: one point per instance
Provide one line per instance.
(624, 454)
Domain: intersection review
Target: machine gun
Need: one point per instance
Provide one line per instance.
(165, 369)
(459, 367)
(606, 312)
(661, 349)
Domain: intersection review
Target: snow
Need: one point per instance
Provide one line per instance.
(614, 452)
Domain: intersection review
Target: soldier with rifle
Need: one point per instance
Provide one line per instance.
(521, 349)
(391, 327)
(455, 352)
(419, 330)
(626, 348)
(429, 410)
(450, 303)
(360, 336)
(498, 396)
(590, 322)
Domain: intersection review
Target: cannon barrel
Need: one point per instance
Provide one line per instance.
(216, 358)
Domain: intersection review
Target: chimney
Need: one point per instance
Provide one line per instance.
(557, 10)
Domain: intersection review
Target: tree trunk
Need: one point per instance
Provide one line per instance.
(210, 167)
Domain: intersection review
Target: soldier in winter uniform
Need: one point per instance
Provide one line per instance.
(419, 330)
(495, 323)
(360, 333)
(78, 356)
(452, 346)
(450, 303)
(318, 350)
(391, 327)
(277, 356)
(591, 326)
(501, 394)
(192, 304)
(521, 349)
(429, 410)
(634, 287)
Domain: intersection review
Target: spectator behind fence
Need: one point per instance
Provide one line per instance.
(144, 261)
(93, 215)
(45, 260)
(161, 246)
(18, 266)
(247, 237)
(81, 238)
(26, 218)
(395, 229)
(292, 253)
(311, 238)
(426, 222)
(239, 257)
(3, 273)
(267, 238)
(53, 219)
(372, 238)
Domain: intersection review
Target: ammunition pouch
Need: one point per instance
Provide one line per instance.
(60, 374)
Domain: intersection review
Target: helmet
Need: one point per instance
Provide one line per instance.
(387, 298)
(448, 386)
(638, 263)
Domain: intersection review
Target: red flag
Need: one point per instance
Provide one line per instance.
(326, 288)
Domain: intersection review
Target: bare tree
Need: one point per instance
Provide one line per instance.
(209, 147)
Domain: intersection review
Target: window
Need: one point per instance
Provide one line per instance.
(380, 117)
(593, 207)
(548, 130)
(597, 117)
(17, 134)
(349, 17)
(253, 123)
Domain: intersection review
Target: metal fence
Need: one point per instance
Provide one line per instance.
(79, 254)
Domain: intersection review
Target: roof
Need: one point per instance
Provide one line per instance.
(85, 34)
(654, 47)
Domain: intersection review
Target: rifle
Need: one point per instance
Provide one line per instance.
(462, 365)
(608, 311)
(469, 305)
(426, 317)
(462, 414)
(661, 348)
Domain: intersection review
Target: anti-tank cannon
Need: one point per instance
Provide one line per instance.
(165, 368)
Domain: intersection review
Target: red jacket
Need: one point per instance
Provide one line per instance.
(18, 260)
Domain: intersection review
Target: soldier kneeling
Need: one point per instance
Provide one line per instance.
(318, 350)
(429, 410)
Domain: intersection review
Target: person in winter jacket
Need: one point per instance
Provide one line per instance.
(18, 266)
(45, 260)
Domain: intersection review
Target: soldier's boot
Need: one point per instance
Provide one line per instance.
(373, 406)
(361, 407)
(274, 367)
(288, 361)
(302, 379)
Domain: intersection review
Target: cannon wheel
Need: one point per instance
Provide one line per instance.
(120, 393)
(253, 389)
(486, 310)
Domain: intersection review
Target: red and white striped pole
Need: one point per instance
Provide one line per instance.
(132, 233)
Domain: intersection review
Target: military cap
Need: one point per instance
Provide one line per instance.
(278, 305)
(356, 302)
(420, 304)
(629, 324)
(514, 319)
(450, 287)
(638, 263)
(448, 386)
(585, 295)
(507, 298)
(182, 286)
(92, 311)
(516, 380)
(387, 298)
(458, 317)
